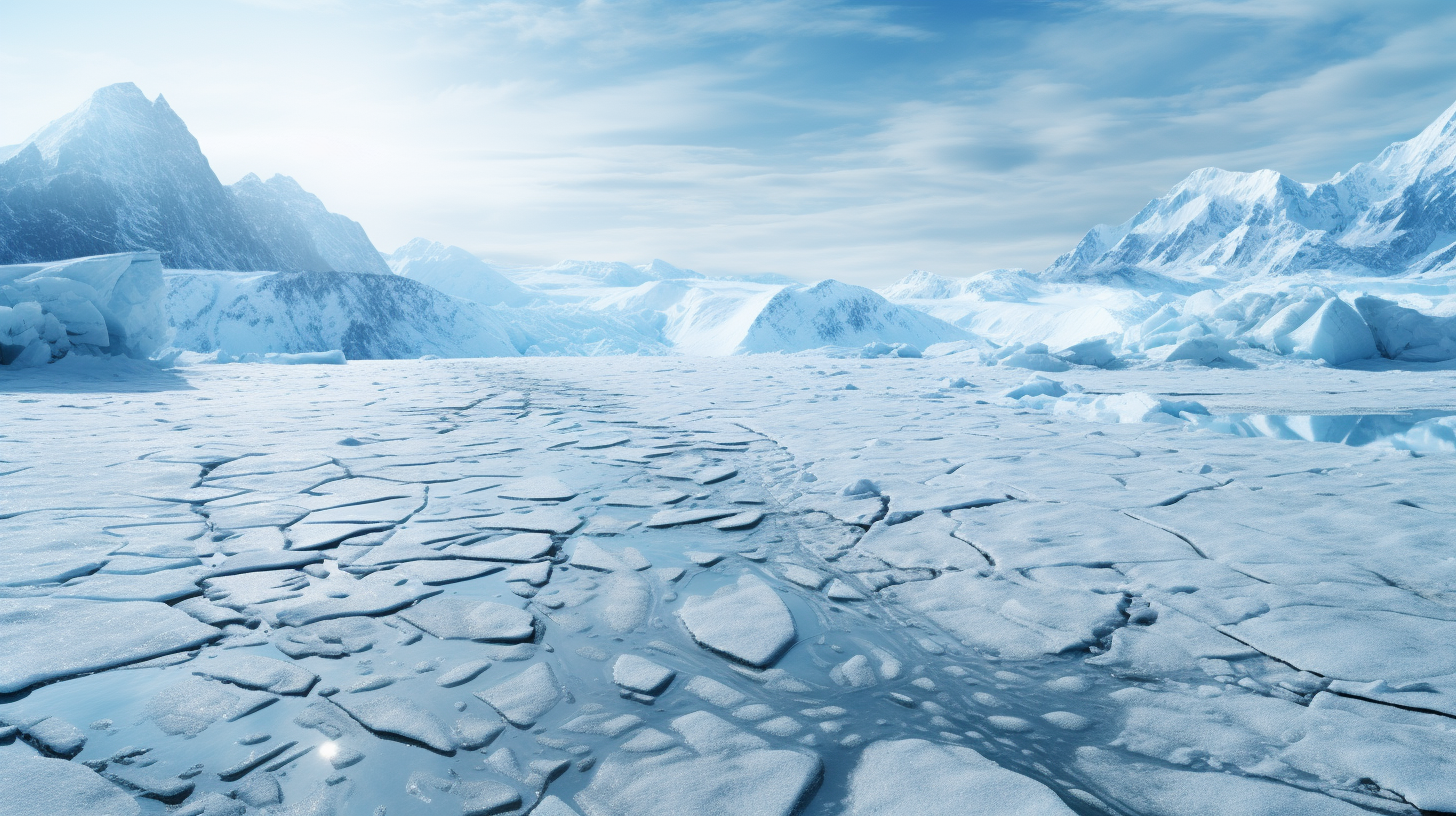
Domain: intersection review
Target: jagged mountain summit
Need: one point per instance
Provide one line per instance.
(296, 223)
(122, 173)
(1394, 216)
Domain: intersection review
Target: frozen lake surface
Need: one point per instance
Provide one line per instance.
(735, 586)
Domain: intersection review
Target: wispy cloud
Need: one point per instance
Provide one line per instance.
(809, 137)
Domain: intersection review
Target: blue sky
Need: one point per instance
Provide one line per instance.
(807, 137)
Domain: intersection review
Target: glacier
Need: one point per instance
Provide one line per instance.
(102, 305)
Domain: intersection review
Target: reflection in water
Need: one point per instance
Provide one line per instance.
(1419, 431)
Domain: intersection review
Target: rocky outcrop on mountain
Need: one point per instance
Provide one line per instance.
(302, 231)
(122, 173)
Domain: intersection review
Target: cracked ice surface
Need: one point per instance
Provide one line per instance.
(662, 586)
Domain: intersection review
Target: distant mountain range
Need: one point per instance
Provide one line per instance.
(122, 173)
(1392, 217)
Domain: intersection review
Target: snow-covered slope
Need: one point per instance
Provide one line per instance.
(831, 313)
(721, 317)
(365, 316)
(299, 227)
(455, 272)
(700, 317)
(122, 173)
(102, 305)
(995, 284)
(1395, 216)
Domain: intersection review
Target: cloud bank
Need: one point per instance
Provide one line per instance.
(806, 137)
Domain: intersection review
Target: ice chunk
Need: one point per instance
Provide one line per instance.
(588, 555)
(715, 692)
(724, 770)
(1148, 789)
(257, 672)
(536, 488)
(486, 797)
(38, 786)
(643, 498)
(389, 714)
(259, 560)
(1036, 387)
(1089, 353)
(535, 574)
(841, 591)
(518, 547)
(329, 638)
(459, 618)
(473, 732)
(524, 698)
(925, 541)
(54, 734)
(673, 518)
(1067, 721)
(641, 675)
(44, 639)
(262, 514)
(168, 585)
(647, 741)
(544, 520)
(1335, 333)
(608, 725)
(438, 573)
(551, 806)
(746, 621)
(855, 672)
(463, 673)
(915, 777)
(1354, 644)
(190, 706)
(374, 594)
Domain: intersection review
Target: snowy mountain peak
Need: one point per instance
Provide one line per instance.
(1393, 216)
(659, 269)
(122, 173)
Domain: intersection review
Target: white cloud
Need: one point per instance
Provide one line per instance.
(811, 138)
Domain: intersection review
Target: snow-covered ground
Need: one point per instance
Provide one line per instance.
(766, 584)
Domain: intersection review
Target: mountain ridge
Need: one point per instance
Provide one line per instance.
(122, 173)
(1394, 216)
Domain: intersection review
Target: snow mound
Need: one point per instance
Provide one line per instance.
(101, 305)
(367, 317)
(831, 313)
(915, 777)
(455, 272)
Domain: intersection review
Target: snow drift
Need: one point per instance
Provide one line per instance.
(102, 305)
